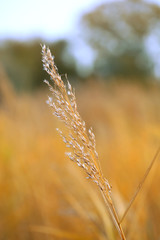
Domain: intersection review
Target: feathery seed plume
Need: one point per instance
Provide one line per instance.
(81, 143)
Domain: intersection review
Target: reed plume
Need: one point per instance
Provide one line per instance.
(80, 141)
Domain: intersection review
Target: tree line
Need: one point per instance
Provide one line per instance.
(121, 35)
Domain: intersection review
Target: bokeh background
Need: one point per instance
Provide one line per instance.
(110, 51)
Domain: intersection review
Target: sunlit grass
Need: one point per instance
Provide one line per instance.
(43, 196)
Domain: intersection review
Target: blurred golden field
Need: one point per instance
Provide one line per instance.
(45, 196)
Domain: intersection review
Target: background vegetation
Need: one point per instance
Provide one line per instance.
(123, 38)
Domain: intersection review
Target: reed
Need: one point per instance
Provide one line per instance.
(80, 141)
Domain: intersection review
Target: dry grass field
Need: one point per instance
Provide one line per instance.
(43, 195)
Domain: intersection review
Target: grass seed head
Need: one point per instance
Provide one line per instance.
(82, 143)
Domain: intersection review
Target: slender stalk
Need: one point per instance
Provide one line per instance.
(140, 184)
(113, 215)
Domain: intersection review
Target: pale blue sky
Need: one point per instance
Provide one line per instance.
(50, 19)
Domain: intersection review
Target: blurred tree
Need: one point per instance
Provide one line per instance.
(117, 32)
(22, 62)
(65, 61)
